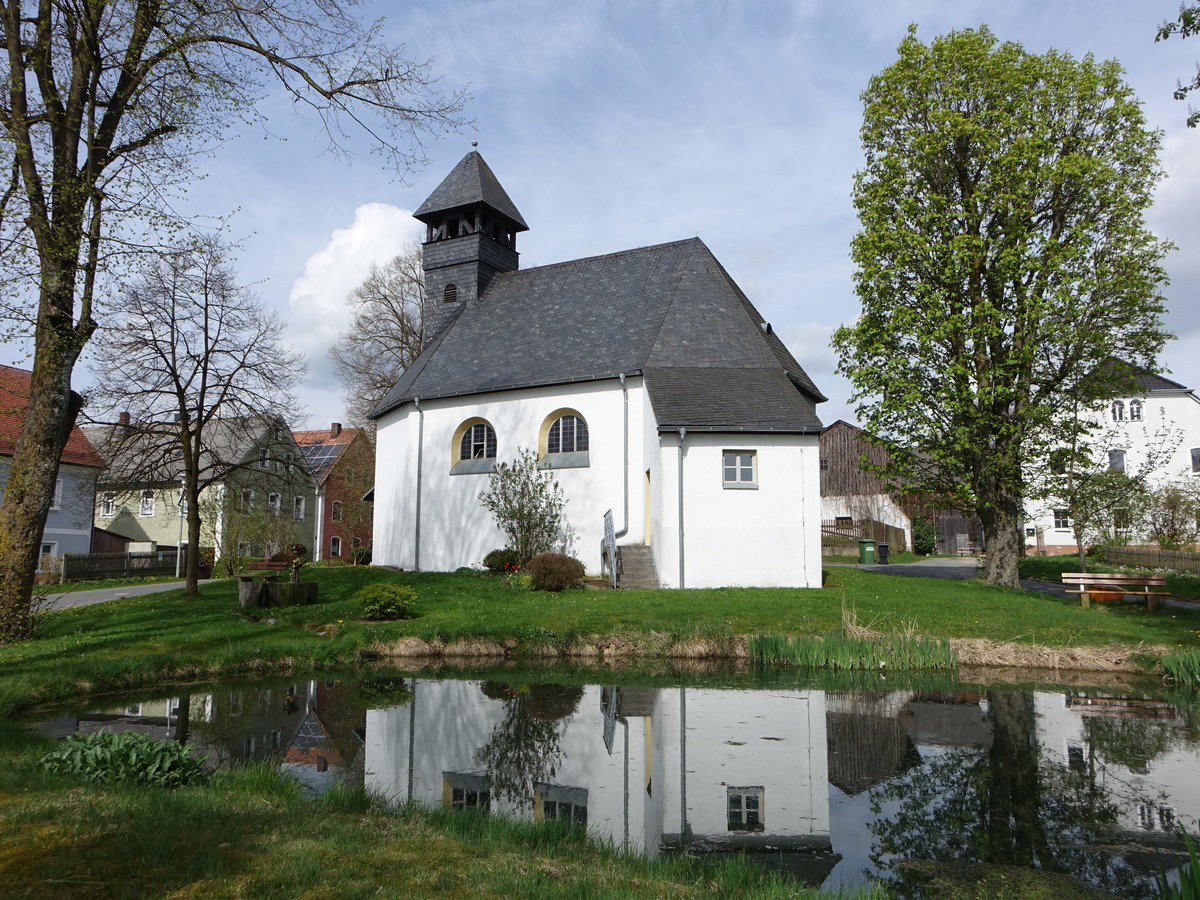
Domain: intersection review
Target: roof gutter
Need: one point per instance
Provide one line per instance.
(625, 471)
(420, 465)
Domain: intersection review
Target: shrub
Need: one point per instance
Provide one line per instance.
(386, 601)
(130, 757)
(924, 533)
(526, 502)
(497, 560)
(554, 572)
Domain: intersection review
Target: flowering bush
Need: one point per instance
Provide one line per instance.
(516, 577)
(498, 559)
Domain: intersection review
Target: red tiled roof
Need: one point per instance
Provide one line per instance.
(14, 403)
(322, 436)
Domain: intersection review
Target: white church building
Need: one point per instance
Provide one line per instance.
(645, 380)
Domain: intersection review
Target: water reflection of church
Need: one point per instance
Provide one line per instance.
(809, 781)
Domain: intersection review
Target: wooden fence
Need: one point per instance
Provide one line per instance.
(89, 566)
(840, 538)
(1152, 558)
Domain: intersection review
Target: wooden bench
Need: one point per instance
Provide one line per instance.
(1094, 584)
(265, 570)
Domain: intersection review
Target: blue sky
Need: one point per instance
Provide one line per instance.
(621, 124)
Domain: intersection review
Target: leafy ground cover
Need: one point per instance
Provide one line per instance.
(143, 640)
(251, 833)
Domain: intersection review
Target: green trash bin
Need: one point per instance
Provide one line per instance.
(866, 552)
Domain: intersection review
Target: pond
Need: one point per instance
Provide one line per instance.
(834, 787)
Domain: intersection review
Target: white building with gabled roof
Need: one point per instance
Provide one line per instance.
(645, 380)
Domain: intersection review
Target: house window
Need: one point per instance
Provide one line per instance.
(146, 507)
(287, 463)
(745, 806)
(337, 510)
(1195, 460)
(247, 501)
(57, 501)
(272, 504)
(1116, 460)
(46, 556)
(1135, 410)
(450, 293)
(108, 504)
(335, 546)
(263, 462)
(1118, 411)
(568, 434)
(1062, 518)
(478, 442)
(298, 509)
(740, 469)
(824, 464)
(463, 790)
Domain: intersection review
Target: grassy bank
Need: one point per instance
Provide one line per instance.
(250, 833)
(143, 640)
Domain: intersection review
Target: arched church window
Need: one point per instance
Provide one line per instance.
(1135, 410)
(478, 442)
(1118, 411)
(568, 434)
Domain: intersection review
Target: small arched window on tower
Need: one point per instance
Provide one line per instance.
(450, 293)
(1118, 411)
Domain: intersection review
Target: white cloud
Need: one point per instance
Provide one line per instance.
(317, 310)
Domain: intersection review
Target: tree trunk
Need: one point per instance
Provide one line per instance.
(1002, 540)
(31, 480)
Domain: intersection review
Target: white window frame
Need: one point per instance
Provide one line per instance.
(274, 501)
(335, 547)
(143, 506)
(1116, 460)
(263, 461)
(1118, 410)
(1195, 453)
(749, 820)
(108, 504)
(336, 511)
(298, 509)
(1135, 410)
(1062, 522)
(739, 463)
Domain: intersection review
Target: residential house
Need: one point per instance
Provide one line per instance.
(646, 382)
(342, 462)
(258, 493)
(1151, 427)
(68, 526)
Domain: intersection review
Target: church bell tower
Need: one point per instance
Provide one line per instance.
(471, 230)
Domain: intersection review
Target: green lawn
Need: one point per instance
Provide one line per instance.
(142, 640)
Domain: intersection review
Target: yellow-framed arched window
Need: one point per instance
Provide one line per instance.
(564, 440)
(473, 448)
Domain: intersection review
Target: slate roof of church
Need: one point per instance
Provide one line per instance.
(470, 182)
(669, 312)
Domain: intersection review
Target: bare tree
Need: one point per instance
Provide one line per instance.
(384, 335)
(104, 105)
(188, 350)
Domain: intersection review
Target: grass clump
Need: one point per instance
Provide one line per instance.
(1183, 666)
(844, 652)
(125, 757)
(386, 602)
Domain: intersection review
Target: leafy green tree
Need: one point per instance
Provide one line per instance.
(1172, 515)
(104, 108)
(527, 504)
(1003, 254)
(1186, 25)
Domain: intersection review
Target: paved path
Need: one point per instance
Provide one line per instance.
(962, 568)
(87, 598)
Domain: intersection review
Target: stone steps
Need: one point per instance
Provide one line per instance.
(638, 571)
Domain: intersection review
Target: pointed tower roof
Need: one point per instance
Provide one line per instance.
(470, 182)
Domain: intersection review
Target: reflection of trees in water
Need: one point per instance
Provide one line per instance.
(1132, 743)
(525, 746)
(999, 806)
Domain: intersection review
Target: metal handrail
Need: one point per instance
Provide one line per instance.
(608, 549)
